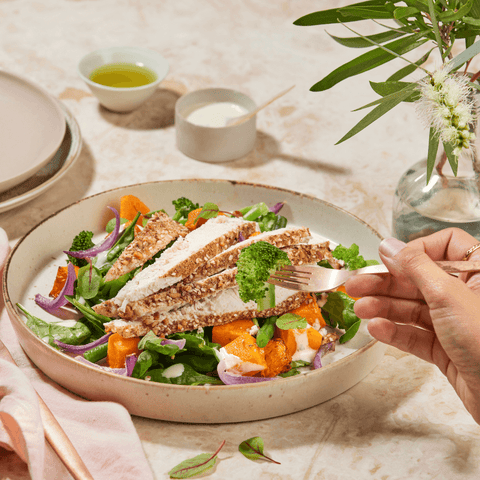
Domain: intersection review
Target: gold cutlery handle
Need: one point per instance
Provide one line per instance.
(459, 266)
(56, 436)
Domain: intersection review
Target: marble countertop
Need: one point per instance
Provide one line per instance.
(403, 421)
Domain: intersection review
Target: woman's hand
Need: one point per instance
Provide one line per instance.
(422, 310)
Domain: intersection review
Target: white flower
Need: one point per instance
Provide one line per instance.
(446, 105)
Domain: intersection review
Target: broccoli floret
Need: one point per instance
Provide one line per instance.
(255, 265)
(82, 241)
(183, 206)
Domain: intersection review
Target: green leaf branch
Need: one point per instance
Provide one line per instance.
(415, 23)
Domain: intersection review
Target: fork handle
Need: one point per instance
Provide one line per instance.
(447, 266)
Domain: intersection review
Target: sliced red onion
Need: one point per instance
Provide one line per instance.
(322, 351)
(179, 343)
(52, 304)
(108, 243)
(241, 238)
(81, 349)
(277, 207)
(130, 362)
(229, 379)
(118, 371)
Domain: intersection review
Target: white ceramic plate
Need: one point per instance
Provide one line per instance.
(49, 174)
(32, 127)
(31, 268)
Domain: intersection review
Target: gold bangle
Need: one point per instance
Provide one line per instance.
(470, 251)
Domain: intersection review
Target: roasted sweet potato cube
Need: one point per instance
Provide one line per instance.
(310, 311)
(245, 347)
(293, 338)
(119, 348)
(60, 279)
(224, 334)
(277, 357)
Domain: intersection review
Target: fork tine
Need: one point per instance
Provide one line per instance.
(289, 285)
(288, 278)
(307, 269)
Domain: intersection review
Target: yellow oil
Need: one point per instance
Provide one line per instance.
(123, 75)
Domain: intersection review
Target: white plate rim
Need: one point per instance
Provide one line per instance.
(159, 387)
(71, 157)
(60, 128)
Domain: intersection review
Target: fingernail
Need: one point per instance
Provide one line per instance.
(391, 246)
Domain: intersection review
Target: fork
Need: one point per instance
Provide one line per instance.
(312, 278)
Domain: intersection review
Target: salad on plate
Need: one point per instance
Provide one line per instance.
(184, 299)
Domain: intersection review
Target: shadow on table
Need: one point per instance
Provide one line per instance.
(157, 112)
(267, 148)
(368, 421)
(72, 187)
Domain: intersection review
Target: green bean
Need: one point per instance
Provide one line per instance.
(96, 353)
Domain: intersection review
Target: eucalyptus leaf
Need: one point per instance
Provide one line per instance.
(253, 450)
(358, 42)
(387, 88)
(465, 56)
(333, 15)
(403, 72)
(369, 61)
(433, 142)
(367, 12)
(402, 12)
(388, 103)
(452, 159)
(452, 16)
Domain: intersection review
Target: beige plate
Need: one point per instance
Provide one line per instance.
(49, 174)
(32, 126)
(32, 264)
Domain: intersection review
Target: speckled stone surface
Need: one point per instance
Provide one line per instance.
(401, 422)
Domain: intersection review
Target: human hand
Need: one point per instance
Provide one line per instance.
(422, 310)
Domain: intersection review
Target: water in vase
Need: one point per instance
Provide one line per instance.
(420, 209)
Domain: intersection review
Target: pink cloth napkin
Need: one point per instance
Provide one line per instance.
(102, 432)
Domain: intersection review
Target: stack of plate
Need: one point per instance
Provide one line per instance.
(40, 140)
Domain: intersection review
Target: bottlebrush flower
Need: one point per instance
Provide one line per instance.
(446, 104)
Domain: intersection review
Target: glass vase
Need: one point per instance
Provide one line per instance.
(420, 209)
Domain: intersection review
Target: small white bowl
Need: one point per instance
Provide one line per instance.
(122, 99)
(214, 144)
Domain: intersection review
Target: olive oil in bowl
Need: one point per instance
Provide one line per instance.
(123, 75)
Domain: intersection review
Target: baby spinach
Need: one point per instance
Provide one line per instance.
(290, 321)
(196, 465)
(188, 377)
(145, 360)
(253, 449)
(75, 335)
(338, 313)
(351, 256)
(153, 343)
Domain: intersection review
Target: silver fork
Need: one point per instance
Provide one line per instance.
(312, 278)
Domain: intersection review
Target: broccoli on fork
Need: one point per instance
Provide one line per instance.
(255, 265)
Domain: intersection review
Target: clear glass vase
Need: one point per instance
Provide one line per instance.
(420, 209)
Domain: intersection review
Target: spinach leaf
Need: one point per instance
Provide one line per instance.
(145, 360)
(339, 313)
(76, 335)
(188, 377)
(153, 343)
(351, 256)
(125, 239)
(89, 280)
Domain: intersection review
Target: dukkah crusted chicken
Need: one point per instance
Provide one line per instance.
(193, 284)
